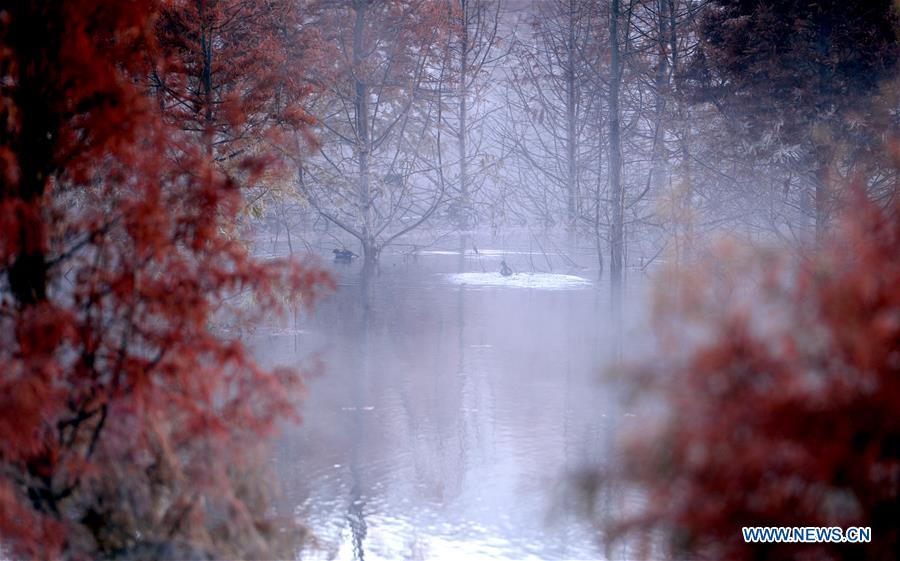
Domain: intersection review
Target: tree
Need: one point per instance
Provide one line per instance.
(585, 142)
(377, 174)
(127, 416)
(472, 49)
(616, 189)
(232, 73)
(552, 125)
(795, 75)
(772, 399)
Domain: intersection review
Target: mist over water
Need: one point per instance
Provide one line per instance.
(479, 200)
(455, 405)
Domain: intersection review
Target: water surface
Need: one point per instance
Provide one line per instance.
(451, 412)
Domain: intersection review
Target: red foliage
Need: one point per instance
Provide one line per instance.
(781, 385)
(230, 69)
(124, 411)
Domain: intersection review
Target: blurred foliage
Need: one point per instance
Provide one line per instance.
(131, 425)
(771, 400)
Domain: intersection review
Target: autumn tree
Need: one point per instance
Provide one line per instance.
(771, 400)
(128, 417)
(799, 77)
(233, 74)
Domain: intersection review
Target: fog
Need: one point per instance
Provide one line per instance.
(499, 205)
(455, 406)
(449, 279)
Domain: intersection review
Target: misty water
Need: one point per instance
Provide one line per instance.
(454, 407)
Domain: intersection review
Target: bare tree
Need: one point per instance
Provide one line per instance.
(474, 50)
(552, 92)
(377, 173)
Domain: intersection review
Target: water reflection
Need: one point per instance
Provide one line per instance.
(356, 511)
(449, 415)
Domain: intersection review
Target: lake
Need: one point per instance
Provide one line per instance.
(454, 407)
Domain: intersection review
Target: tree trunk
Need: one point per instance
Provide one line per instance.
(617, 194)
(662, 90)
(571, 141)
(206, 42)
(686, 206)
(363, 148)
(598, 197)
(370, 254)
(822, 179)
(464, 195)
(684, 213)
(34, 142)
